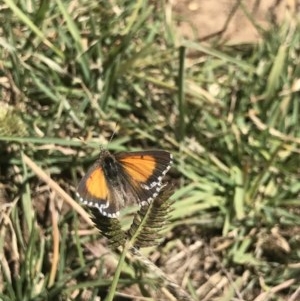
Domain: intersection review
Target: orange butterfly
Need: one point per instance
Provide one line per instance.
(116, 180)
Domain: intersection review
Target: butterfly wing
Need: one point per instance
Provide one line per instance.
(144, 172)
(93, 190)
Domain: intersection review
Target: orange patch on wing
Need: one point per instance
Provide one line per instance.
(96, 185)
(140, 168)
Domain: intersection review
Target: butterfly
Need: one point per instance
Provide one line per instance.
(114, 181)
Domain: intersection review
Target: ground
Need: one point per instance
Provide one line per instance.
(229, 21)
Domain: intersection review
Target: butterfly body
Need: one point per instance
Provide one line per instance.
(114, 181)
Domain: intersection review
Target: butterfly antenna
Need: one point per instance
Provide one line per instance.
(112, 136)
